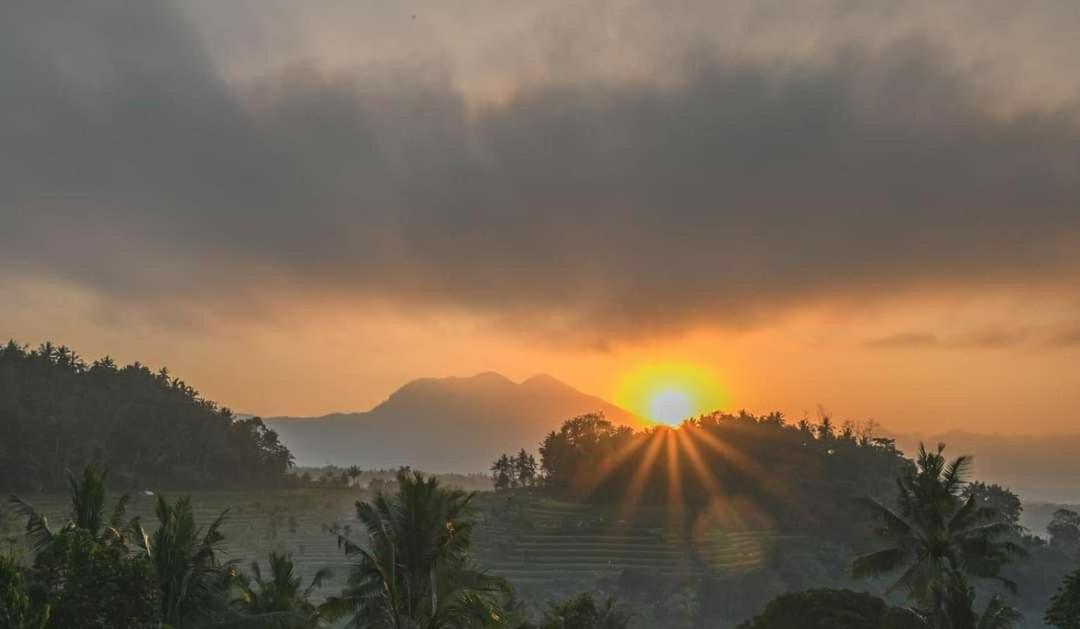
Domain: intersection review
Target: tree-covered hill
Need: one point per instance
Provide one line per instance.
(725, 468)
(149, 429)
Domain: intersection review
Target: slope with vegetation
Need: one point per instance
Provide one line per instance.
(58, 412)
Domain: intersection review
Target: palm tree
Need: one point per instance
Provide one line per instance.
(87, 511)
(280, 601)
(939, 538)
(193, 581)
(416, 571)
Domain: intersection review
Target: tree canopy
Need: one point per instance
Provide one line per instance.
(795, 475)
(59, 413)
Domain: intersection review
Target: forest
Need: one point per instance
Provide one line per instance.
(59, 413)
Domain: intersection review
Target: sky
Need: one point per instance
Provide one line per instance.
(867, 207)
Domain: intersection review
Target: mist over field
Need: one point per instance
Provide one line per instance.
(504, 314)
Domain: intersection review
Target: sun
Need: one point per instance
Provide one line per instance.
(670, 392)
(670, 406)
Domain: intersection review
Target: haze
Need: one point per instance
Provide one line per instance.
(872, 207)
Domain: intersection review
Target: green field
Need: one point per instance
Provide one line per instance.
(542, 546)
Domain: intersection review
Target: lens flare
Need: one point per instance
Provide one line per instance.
(668, 393)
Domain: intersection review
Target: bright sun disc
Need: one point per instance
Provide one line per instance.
(668, 393)
(670, 406)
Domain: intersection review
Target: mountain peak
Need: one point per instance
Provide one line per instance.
(544, 381)
(447, 424)
(490, 376)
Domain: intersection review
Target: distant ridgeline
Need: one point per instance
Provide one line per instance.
(149, 429)
(736, 470)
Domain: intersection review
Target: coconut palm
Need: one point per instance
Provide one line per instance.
(193, 580)
(416, 571)
(87, 511)
(280, 600)
(938, 538)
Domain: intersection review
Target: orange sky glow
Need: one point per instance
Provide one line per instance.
(870, 209)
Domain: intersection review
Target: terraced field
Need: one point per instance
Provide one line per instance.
(535, 542)
(294, 521)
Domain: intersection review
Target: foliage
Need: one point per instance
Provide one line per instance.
(1004, 502)
(938, 538)
(89, 584)
(583, 612)
(832, 609)
(509, 472)
(792, 476)
(1064, 529)
(1064, 609)
(569, 454)
(16, 609)
(417, 572)
(844, 609)
(152, 429)
(281, 600)
(192, 580)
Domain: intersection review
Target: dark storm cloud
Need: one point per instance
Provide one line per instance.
(131, 165)
(984, 339)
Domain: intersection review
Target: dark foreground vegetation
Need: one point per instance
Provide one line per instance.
(936, 549)
(58, 412)
(413, 570)
(852, 513)
(727, 521)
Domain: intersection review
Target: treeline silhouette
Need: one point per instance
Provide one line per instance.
(58, 412)
(788, 475)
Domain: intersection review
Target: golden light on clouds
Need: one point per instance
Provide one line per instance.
(669, 392)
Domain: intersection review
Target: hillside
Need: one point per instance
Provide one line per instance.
(59, 413)
(443, 424)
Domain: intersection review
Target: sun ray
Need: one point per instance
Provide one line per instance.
(697, 463)
(739, 460)
(589, 481)
(632, 497)
(674, 477)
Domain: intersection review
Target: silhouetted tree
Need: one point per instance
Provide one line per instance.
(1064, 609)
(416, 571)
(281, 600)
(1064, 528)
(16, 609)
(1004, 502)
(151, 429)
(584, 612)
(525, 469)
(833, 609)
(192, 579)
(502, 473)
(354, 474)
(937, 538)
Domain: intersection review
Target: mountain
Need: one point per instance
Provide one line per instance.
(444, 424)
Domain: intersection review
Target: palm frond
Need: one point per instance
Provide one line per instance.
(37, 525)
(999, 615)
(878, 562)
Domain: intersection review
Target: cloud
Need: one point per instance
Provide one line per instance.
(1065, 339)
(1044, 337)
(905, 340)
(137, 166)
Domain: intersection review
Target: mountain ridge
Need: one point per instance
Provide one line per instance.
(449, 424)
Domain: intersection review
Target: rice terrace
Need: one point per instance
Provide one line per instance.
(558, 314)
